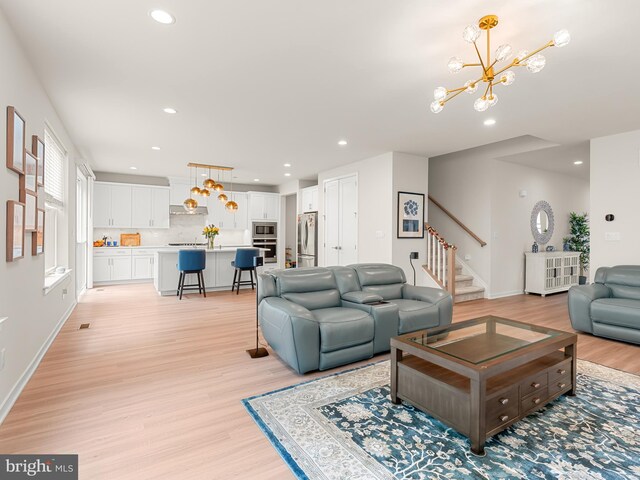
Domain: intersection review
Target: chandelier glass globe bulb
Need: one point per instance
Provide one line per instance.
(471, 87)
(503, 52)
(195, 190)
(521, 54)
(480, 104)
(204, 192)
(440, 93)
(436, 106)
(471, 33)
(218, 187)
(223, 198)
(536, 63)
(231, 206)
(508, 78)
(561, 38)
(209, 183)
(492, 99)
(455, 64)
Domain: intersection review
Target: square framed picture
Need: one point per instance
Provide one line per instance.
(37, 237)
(15, 230)
(410, 215)
(16, 127)
(31, 173)
(37, 148)
(30, 207)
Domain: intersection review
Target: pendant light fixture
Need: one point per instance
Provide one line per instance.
(492, 74)
(209, 183)
(190, 204)
(218, 187)
(195, 190)
(231, 206)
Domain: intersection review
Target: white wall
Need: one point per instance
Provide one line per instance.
(375, 206)
(615, 181)
(290, 223)
(33, 317)
(410, 174)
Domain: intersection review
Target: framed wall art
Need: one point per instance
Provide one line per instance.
(410, 215)
(30, 208)
(31, 173)
(37, 148)
(15, 230)
(37, 237)
(16, 127)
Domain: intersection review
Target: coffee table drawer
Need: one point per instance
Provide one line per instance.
(534, 400)
(533, 384)
(559, 384)
(560, 370)
(496, 419)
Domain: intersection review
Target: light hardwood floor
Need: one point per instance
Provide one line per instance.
(152, 389)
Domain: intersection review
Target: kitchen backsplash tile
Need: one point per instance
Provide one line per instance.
(182, 229)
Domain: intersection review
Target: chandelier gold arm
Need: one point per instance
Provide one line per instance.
(480, 57)
(519, 62)
(458, 91)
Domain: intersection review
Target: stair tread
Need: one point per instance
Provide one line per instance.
(471, 289)
(462, 278)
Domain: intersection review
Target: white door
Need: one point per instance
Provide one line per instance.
(348, 221)
(101, 269)
(332, 223)
(160, 208)
(121, 206)
(141, 199)
(121, 268)
(271, 207)
(101, 205)
(142, 267)
(341, 221)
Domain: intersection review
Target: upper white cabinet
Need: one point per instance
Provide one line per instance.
(150, 207)
(264, 206)
(130, 206)
(309, 199)
(221, 217)
(111, 205)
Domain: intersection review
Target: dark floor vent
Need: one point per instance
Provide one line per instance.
(84, 325)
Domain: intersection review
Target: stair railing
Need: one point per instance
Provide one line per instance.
(441, 260)
(457, 221)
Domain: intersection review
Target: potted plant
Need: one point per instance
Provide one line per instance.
(579, 241)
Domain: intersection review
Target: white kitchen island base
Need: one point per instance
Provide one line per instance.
(218, 274)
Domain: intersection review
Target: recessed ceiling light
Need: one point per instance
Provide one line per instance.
(133, 168)
(170, 110)
(287, 174)
(287, 164)
(203, 174)
(578, 162)
(342, 143)
(155, 148)
(490, 121)
(162, 16)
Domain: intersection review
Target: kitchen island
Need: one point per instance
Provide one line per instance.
(218, 274)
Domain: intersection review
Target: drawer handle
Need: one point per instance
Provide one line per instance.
(562, 385)
(562, 371)
(536, 401)
(504, 418)
(504, 401)
(535, 385)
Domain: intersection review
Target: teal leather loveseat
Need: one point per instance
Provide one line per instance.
(321, 318)
(610, 307)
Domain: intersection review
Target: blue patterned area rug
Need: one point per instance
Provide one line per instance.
(344, 427)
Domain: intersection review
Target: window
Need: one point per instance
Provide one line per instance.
(55, 161)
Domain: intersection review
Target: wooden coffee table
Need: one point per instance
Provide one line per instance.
(482, 375)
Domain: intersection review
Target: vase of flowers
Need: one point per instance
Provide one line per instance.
(210, 232)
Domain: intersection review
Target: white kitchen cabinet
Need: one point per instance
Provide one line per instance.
(341, 221)
(241, 217)
(101, 269)
(550, 272)
(112, 205)
(309, 199)
(142, 267)
(120, 268)
(111, 265)
(224, 270)
(101, 205)
(264, 206)
(150, 207)
(221, 217)
(160, 207)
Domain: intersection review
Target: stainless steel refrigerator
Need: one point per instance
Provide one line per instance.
(308, 240)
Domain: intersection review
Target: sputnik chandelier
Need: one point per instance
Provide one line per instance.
(190, 204)
(492, 73)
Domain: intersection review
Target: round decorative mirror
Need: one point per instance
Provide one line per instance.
(542, 222)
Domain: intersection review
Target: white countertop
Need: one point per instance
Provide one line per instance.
(174, 247)
(163, 250)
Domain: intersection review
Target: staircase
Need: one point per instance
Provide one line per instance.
(441, 256)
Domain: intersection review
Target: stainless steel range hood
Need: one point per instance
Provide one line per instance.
(179, 210)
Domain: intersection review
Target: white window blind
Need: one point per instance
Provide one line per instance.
(55, 157)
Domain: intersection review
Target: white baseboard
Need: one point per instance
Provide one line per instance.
(15, 392)
(505, 294)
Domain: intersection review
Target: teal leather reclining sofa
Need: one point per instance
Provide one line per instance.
(321, 318)
(610, 307)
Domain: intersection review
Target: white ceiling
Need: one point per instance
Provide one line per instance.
(557, 159)
(260, 83)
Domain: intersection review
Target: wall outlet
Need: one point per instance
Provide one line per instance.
(467, 257)
(2, 352)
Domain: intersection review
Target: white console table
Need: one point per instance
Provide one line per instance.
(551, 272)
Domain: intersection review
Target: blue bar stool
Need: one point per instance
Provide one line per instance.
(191, 261)
(244, 262)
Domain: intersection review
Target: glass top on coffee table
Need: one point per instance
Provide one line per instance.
(483, 339)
